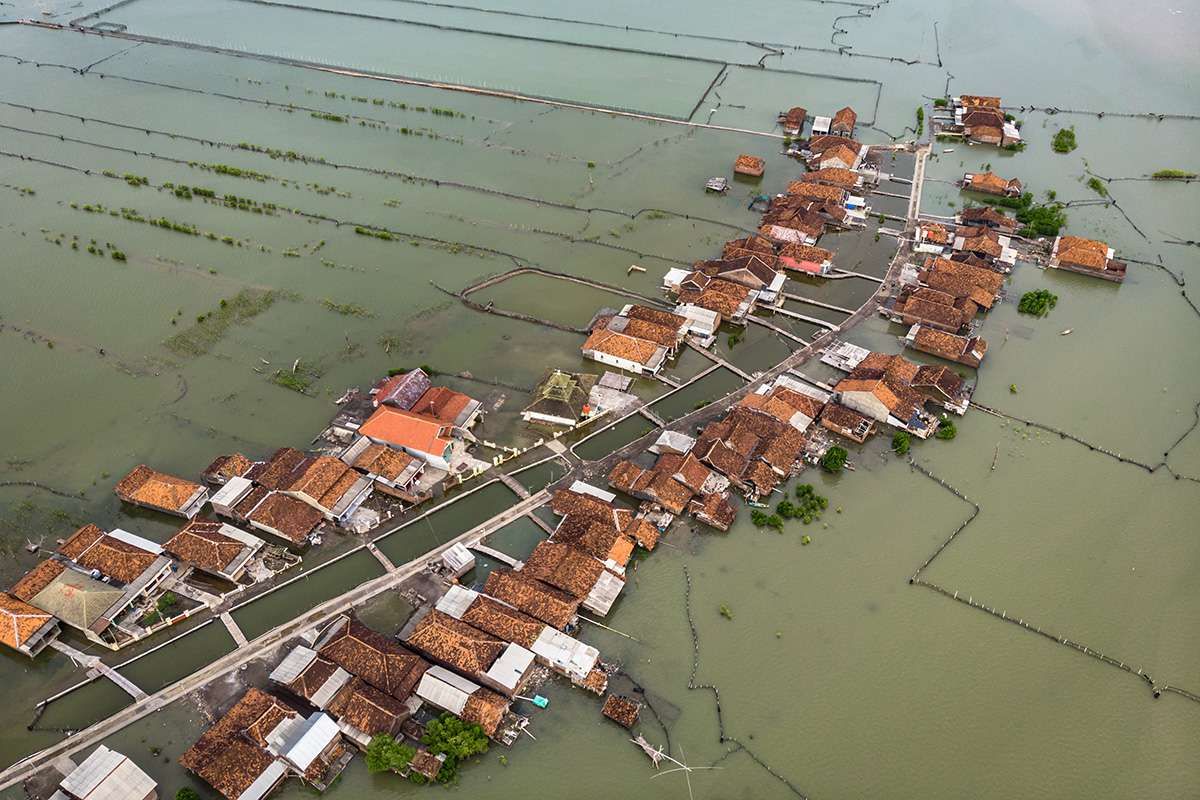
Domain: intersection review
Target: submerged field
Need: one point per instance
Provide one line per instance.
(265, 212)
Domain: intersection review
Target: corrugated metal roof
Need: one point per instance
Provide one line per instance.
(511, 666)
(233, 491)
(566, 653)
(456, 601)
(108, 775)
(300, 741)
(445, 689)
(587, 488)
(293, 664)
(333, 684)
(602, 596)
(458, 557)
(136, 541)
(265, 782)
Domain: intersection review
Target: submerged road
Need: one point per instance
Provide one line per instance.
(326, 611)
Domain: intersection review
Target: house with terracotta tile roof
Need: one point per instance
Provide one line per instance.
(1087, 257)
(276, 472)
(792, 120)
(881, 387)
(118, 558)
(378, 659)
(629, 353)
(262, 741)
(539, 600)
(75, 598)
(214, 547)
(222, 468)
(393, 471)
(961, 349)
(599, 538)
(363, 712)
(575, 572)
(330, 486)
(25, 628)
(751, 166)
(846, 422)
(942, 385)
(843, 122)
(987, 217)
(714, 510)
(307, 675)
(991, 183)
(426, 438)
(448, 406)
(401, 391)
(752, 272)
(817, 191)
(932, 237)
(151, 489)
(935, 308)
(833, 176)
(285, 517)
(476, 654)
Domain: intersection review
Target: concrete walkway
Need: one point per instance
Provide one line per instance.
(98, 667)
(234, 630)
(380, 557)
(711, 356)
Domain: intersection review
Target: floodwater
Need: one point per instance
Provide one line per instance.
(834, 672)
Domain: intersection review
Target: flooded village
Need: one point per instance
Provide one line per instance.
(432, 573)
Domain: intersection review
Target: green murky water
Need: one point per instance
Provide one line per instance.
(833, 670)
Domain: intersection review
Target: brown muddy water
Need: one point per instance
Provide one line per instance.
(837, 678)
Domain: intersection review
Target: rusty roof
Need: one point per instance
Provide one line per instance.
(659, 317)
(599, 538)
(450, 641)
(714, 510)
(1081, 252)
(225, 467)
(150, 487)
(379, 660)
(971, 100)
(276, 471)
(565, 567)
(621, 710)
(386, 462)
(442, 403)
(630, 348)
(844, 119)
(92, 548)
(749, 165)
(293, 519)
(503, 621)
(834, 176)
(486, 709)
(366, 708)
(231, 754)
(818, 191)
(201, 543)
(539, 600)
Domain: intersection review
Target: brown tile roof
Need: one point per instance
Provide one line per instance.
(990, 117)
(834, 176)
(455, 643)
(749, 165)
(957, 285)
(384, 461)
(975, 100)
(149, 487)
(426, 763)
(368, 709)
(781, 452)
(940, 343)
(748, 245)
(19, 621)
(442, 404)
(991, 183)
(231, 754)
(842, 153)
(486, 709)
(793, 118)
(691, 473)
(935, 233)
(761, 476)
(986, 278)
(38, 578)
(844, 119)
(92, 548)
(596, 681)
(315, 476)
(806, 405)
(406, 429)
(564, 567)
(842, 420)
(246, 504)
(714, 510)
(276, 471)
(539, 600)
(344, 484)
(565, 501)
(819, 144)
(650, 331)
(818, 191)
(982, 244)
(714, 299)
(889, 378)
(926, 308)
(201, 543)
(987, 215)
(642, 531)
(621, 710)
(750, 271)
(377, 659)
(1081, 252)
(625, 476)
(668, 492)
(665, 319)
(639, 351)
(293, 518)
(225, 467)
(598, 538)
(988, 134)
(503, 622)
(939, 381)
(312, 678)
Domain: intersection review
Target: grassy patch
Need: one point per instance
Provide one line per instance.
(346, 309)
(199, 338)
(299, 379)
(1173, 175)
(1064, 140)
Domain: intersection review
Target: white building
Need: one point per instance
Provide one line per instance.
(106, 775)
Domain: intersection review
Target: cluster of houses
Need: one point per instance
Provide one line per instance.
(470, 654)
(980, 119)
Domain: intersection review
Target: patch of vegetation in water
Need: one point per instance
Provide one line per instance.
(1037, 303)
(346, 309)
(199, 338)
(947, 430)
(1064, 141)
(1097, 186)
(1173, 175)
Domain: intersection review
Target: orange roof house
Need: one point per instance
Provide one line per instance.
(1087, 257)
(833, 176)
(428, 439)
(964, 350)
(92, 548)
(448, 406)
(843, 122)
(552, 606)
(146, 487)
(792, 120)
(991, 183)
(24, 628)
(752, 166)
(214, 547)
(881, 387)
(378, 659)
(285, 517)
